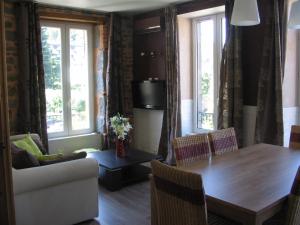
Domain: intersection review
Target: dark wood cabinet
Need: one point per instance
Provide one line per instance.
(149, 48)
(149, 25)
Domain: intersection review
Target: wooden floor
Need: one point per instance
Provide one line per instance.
(129, 206)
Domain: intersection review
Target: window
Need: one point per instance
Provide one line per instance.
(209, 38)
(67, 58)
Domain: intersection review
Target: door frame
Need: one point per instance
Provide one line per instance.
(7, 213)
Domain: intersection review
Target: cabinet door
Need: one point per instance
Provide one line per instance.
(6, 190)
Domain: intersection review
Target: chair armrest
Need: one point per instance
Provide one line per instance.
(36, 178)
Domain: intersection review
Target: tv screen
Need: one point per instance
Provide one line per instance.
(149, 94)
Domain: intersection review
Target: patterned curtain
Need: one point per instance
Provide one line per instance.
(113, 76)
(32, 104)
(230, 106)
(100, 66)
(269, 121)
(172, 115)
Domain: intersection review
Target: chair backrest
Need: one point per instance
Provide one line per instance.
(222, 141)
(293, 214)
(178, 196)
(295, 137)
(192, 148)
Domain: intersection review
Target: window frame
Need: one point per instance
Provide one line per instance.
(298, 67)
(217, 20)
(65, 70)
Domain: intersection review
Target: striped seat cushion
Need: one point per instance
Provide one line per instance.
(222, 141)
(295, 137)
(191, 148)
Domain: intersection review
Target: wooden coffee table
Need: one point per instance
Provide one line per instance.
(115, 172)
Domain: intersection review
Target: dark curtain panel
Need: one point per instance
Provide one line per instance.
(114, 77)
(269, 122)
(112, 85)
(32, 108)
(230, 107)
(172, 115)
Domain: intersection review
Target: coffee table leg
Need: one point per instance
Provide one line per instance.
(111, 179)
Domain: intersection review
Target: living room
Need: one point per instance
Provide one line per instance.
(93, 93)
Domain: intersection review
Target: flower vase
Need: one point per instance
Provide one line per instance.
(120, 149)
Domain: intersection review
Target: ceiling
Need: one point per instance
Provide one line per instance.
(129, 6)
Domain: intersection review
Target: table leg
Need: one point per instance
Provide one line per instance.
(252, 221)
(111, 179)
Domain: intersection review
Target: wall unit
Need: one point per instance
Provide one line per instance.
(149, 48)
(148, 62)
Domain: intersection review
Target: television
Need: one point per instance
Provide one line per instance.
(149, 94)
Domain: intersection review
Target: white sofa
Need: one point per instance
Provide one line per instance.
(58, 194)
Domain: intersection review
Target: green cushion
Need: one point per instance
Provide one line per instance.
(29, 145)
(51, 157)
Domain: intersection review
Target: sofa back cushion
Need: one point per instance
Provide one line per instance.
(29, 145)
(21, 159)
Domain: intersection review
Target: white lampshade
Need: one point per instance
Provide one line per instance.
(294, 21)
(245, 13)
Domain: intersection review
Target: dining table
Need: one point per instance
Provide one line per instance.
(249, 185)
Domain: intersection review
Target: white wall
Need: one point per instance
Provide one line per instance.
(187, 116)
(69, 144)
(148, 125)
(290, 117)
(147, 129)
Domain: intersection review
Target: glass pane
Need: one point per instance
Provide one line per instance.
(52, 56)
(79, 79)
(223, 30)
(205, 51)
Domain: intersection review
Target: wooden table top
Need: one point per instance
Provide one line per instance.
(253, 179)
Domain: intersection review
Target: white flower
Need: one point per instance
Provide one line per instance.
(120, 126)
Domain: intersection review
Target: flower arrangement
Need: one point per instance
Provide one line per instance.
(120, 126)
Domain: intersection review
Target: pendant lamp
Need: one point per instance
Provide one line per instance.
(245, 13)
(294, 21)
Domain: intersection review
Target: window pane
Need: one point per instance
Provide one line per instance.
(79, 79)
(205, 55)
(223, 30)
(52, 56)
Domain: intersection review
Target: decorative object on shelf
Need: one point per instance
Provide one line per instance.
(152, 54)
(153, 78)
(245, 13)
(294, 20)
(121, 127)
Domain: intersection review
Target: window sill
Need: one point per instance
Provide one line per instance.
(69, 144)
(72, 136)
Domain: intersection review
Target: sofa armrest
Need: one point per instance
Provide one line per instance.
(26, 180)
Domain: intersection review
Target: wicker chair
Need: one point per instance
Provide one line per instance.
(178, 198)
(295, 137)
(292, 216)
(191, 148)
(222, 141)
